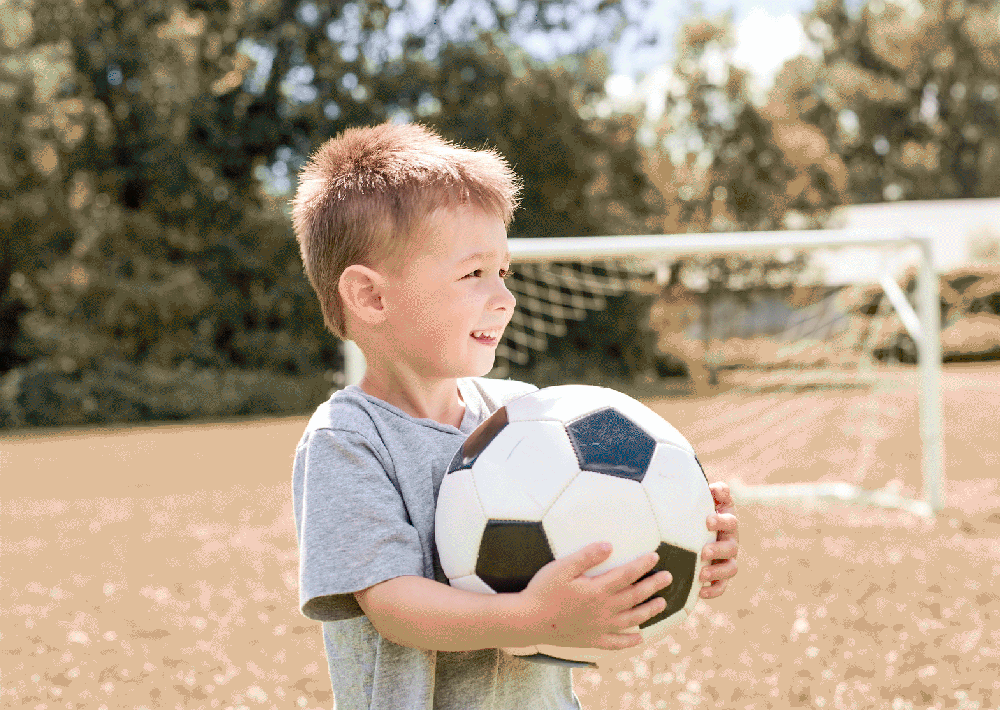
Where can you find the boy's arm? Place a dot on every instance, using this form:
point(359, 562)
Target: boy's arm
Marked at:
point(561, 606)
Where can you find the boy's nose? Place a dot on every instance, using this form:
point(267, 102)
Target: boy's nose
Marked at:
point(504, 298)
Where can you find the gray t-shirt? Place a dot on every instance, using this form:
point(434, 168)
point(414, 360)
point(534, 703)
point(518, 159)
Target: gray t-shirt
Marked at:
point(364, 487)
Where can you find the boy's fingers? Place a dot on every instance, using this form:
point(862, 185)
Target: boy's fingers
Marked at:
point(718, 570)
point(627, 574)
point(713, 590)
point(720, 550)
point(715, 577)
point(587, 558)
point(643, 613)
point(721, 494)
point(725, 524)
point(645, 588)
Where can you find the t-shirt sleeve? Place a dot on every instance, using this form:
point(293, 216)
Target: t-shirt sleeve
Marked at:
point(351, 522)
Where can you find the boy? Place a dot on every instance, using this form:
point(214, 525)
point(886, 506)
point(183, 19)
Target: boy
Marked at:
point(404, 239)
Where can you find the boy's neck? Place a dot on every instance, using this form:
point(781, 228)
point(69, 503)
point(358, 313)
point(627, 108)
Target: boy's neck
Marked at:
point(440, 400)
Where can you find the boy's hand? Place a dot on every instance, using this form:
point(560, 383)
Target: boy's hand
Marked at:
point(572, 609)
point(723, 551)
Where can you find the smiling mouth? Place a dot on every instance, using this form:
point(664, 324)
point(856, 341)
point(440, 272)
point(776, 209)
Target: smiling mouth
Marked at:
point(487, 336)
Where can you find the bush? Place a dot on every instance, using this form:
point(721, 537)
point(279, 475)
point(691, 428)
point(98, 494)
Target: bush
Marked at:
point(42, 394)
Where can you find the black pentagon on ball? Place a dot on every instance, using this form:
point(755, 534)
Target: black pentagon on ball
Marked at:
point(478, 440)
point(681, 564)
point(607, 441)
point(510, 553)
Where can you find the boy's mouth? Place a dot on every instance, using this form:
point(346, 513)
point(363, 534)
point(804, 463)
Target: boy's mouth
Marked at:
point(487, 337)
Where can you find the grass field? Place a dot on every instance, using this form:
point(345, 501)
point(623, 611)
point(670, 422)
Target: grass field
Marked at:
point(156, 566)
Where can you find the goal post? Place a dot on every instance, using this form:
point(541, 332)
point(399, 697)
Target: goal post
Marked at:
point(923, 324)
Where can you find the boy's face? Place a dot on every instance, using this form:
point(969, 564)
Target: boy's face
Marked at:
point(448, 305)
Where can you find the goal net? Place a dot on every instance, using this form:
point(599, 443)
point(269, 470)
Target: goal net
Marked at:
point(812, 359)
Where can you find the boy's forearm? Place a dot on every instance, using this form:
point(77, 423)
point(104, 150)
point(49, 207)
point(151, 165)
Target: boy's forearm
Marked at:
point(422, 613)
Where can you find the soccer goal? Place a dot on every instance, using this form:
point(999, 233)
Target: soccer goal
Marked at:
point(810, 375)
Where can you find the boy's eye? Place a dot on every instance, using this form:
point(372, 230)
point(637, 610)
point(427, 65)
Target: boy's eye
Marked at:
point(504, 273)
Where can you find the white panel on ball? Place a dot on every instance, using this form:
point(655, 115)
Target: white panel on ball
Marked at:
point(472, 583)
point(674, 475)
point(524, 469)
point(560, 403)
point(597, 507)
point(459, 524)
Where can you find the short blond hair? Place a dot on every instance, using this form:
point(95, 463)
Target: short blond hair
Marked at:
point(364, 195)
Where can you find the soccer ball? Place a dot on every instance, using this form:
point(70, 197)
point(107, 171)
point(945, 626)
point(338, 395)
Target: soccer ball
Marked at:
point(558, 469)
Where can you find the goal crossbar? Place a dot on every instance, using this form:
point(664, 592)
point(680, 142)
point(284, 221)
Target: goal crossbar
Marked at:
point(924, 325)
point(545, 249)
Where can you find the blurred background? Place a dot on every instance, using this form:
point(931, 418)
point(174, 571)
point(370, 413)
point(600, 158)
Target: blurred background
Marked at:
point(148, 270)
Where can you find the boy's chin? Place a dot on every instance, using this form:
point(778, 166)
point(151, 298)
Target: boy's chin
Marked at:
point(483, 369)
point(483, 372)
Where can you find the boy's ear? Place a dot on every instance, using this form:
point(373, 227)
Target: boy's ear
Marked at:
point(361, 290)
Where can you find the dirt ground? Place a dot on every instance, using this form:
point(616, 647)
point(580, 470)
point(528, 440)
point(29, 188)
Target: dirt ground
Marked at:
point(156, 566)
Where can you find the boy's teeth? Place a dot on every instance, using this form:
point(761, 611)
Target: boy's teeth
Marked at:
point(484, 334)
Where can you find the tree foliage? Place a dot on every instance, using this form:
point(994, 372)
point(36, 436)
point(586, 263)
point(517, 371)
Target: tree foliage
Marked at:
point(903, 102)
point(148, 269)
point(909, 95)
point(726, 162)
point(147, 264)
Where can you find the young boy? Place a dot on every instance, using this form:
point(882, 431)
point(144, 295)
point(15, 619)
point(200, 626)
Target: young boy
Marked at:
point(404, 238)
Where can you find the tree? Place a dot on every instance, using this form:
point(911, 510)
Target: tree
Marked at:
point(148, 269)
point(909, 95)
point(725, 163)
point(734, 165)
point(138, 248)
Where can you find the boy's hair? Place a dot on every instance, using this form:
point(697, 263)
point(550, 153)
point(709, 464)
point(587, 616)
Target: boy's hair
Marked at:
point(365, 195)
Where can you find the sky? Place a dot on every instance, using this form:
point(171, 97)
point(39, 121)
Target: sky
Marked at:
point(766, 36)
point(767, 33)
